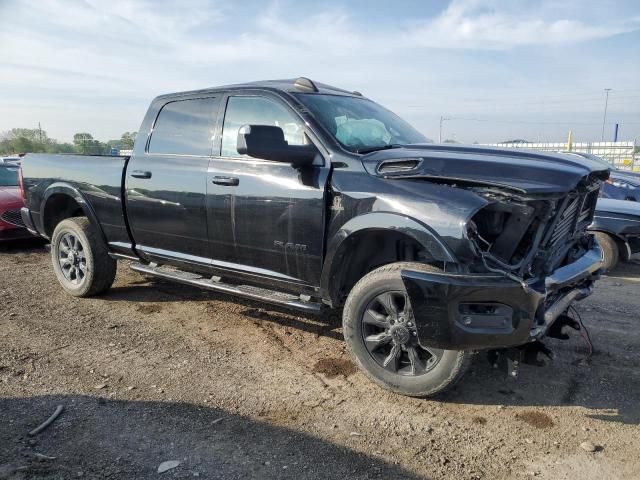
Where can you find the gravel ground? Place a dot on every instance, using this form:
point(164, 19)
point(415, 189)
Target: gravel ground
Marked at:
point(154, 372)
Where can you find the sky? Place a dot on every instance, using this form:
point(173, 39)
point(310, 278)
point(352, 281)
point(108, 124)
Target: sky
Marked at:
point(495, 70)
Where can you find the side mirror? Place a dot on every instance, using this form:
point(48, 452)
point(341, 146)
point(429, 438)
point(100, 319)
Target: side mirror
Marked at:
point(267, 142)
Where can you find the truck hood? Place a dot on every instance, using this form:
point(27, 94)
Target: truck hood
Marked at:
point(525, 171)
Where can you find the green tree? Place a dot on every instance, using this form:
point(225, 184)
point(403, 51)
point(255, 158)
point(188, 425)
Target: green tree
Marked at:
point(85, 144)
point(25, 140)
point(24, 145)
point(127, 140)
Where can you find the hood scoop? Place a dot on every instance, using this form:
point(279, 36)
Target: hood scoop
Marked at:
point(399, 165)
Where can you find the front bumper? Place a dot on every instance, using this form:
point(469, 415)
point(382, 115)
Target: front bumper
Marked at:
point(470, 312)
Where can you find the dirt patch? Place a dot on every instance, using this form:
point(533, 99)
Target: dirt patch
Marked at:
point(149, 309)
point(236, 389)
point(479, 420)
point(333, 367)
point(535, 419)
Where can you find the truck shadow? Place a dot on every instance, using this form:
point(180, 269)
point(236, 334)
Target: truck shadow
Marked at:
point(156, 290)
point(27, 245)
point(103, 438)
point(326, 324)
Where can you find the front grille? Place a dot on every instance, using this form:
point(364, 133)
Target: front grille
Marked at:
point(564, 227)
point(588, 207)
point(574, 218)
point(12, 217)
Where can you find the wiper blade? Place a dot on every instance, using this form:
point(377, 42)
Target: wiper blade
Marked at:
point(379, 147)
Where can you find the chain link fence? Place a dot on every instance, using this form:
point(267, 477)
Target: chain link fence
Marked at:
point(619, 154)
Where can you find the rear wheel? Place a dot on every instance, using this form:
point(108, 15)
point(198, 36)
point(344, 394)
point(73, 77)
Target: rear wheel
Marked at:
point(381, 335)
point(610, 251)
point(80, 258)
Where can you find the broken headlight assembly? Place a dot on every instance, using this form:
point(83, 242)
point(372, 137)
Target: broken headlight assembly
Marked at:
point(506, 235)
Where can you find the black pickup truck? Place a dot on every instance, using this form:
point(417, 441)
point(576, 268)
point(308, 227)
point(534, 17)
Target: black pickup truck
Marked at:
point(307, 196)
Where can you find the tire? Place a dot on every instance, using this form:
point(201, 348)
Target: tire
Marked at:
point(403, 374)
point(88, 269)
point(610, 251)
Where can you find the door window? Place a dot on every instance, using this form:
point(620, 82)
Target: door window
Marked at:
point(184, 127)
point(257, 111)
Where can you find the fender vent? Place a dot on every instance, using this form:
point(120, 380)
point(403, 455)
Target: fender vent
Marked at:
point(393, 166)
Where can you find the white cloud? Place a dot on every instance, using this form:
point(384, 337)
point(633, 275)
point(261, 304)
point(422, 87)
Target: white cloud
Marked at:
point(61, 60)
point(489, 25)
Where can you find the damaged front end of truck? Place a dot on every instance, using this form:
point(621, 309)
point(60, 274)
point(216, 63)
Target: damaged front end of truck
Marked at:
point(530, 258)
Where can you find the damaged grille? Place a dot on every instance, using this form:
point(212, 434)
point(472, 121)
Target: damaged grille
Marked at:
point(532, 237)
point(564, 227)
point(12, 217)
point(574, 219)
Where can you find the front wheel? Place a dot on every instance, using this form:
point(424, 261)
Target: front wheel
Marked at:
point(381, 335)
point(610, 252)
point(80, 258)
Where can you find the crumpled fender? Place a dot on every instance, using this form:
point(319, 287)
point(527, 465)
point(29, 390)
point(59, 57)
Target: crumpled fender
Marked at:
point(339, 245)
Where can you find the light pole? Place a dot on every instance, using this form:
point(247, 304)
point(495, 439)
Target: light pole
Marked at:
point(604, 118)
point(442, 119)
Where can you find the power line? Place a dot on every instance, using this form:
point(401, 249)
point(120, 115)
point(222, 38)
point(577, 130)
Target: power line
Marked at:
point(618, 100)
point(529, 122)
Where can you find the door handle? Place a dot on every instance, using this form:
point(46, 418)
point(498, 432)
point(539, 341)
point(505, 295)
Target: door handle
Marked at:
point(230, 181)
point(140, 174)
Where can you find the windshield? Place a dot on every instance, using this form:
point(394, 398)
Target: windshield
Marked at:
point(8, 176)
point(359, 124)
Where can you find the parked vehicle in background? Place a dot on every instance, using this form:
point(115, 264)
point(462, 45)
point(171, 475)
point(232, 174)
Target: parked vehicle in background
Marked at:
point(305, 196)
point(10, 160)
point(616, 225)
point(11, 225)
point(621, 185)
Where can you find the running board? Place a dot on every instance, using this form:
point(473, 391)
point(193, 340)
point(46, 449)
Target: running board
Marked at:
point(246, 291)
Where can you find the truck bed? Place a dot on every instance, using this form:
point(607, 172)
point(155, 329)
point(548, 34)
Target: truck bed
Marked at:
point(97, 184)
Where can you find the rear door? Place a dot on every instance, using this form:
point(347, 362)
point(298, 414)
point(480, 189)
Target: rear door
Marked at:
point(166, 184)
point(265, 217)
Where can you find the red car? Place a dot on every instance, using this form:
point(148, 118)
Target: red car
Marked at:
point(11, 224)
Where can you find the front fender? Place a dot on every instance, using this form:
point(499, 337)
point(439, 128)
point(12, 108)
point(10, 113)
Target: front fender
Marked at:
point(339, 244)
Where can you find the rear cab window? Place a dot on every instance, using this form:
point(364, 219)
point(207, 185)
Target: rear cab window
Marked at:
point(185, 127)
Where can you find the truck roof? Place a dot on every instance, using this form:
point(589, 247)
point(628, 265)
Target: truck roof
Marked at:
point(292, 85)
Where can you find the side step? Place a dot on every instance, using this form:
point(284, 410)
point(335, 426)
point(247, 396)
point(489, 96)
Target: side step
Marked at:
point(246, 291)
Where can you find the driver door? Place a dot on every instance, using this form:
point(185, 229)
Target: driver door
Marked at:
point(265, 217)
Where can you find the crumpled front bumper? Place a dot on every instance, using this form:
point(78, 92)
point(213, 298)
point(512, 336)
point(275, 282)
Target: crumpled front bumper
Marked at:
point(478, 311)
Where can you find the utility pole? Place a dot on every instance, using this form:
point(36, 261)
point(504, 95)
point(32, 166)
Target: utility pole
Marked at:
point(604, 118)
point(442, 119)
